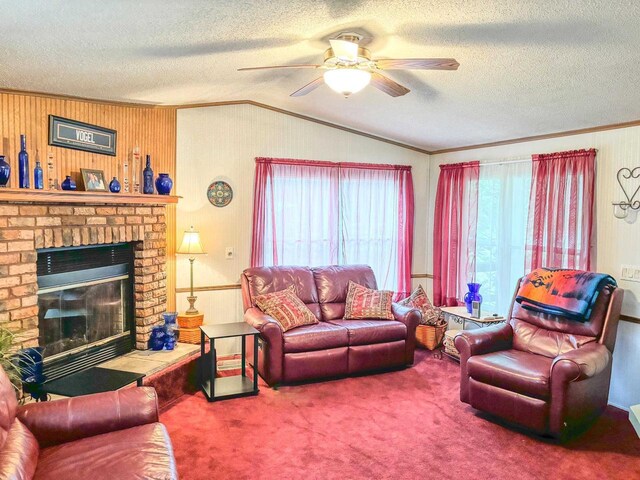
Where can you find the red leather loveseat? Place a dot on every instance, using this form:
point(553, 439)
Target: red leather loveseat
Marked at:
point(113, 435)
point(335, 346)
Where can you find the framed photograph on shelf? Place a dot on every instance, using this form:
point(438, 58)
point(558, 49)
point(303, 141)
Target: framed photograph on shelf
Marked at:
point(93, 180)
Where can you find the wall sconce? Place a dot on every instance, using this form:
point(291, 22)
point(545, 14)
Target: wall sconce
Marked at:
point(631, 206)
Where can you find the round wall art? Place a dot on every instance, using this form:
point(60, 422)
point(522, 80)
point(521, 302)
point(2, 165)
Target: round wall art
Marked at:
point(220, 193)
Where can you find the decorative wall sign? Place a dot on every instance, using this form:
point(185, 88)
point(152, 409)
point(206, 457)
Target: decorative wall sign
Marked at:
point(220, 193)
point(81, 136)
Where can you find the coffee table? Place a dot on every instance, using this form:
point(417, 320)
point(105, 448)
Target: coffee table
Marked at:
point(219, 388)
point(92, 380)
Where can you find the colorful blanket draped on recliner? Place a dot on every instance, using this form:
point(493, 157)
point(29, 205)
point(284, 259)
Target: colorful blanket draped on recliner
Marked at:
point(568, 293)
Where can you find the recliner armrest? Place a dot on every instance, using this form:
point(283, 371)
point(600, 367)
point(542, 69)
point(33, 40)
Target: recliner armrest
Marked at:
point(66, 420)
point(484, 340)
point(581, 363)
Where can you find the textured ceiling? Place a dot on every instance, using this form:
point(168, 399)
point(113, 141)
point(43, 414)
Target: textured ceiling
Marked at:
point(527, 67)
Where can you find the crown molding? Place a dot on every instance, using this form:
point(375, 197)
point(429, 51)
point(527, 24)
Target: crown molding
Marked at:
point(533, 138)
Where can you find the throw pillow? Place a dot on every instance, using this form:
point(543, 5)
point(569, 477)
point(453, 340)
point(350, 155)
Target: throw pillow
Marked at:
point(419, 299)
point(286, 308)
point(362, 302)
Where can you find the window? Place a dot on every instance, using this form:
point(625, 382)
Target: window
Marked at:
point(324, 213)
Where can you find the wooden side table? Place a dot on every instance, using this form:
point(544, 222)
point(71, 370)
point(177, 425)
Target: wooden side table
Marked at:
point(219, 388)
point(460, 316)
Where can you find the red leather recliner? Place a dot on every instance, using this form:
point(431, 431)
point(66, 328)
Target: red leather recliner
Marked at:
point(113, 435)
point(544, 372)
point(335, 346)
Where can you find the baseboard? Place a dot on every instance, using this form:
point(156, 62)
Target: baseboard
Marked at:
point(626, 409)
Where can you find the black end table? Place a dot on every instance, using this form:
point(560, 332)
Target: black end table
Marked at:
point(219, 388)
point(92, 380)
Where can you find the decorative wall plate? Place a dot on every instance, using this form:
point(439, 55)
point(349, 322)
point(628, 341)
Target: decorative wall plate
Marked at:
point(220, 193)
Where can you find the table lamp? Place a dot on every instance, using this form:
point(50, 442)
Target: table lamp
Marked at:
point(191, 246)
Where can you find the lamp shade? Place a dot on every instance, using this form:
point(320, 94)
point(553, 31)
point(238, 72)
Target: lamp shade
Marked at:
point(347, 80)
point(191, 243)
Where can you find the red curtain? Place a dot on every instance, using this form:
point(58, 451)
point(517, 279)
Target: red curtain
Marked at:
point(454, 231)
point(560, 221)
point(322, 213)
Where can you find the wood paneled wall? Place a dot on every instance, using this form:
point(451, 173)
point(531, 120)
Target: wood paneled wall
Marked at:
point(151, 128)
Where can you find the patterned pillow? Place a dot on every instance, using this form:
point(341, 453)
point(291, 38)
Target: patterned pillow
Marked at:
point(362, 302)
point(286, 308)
point(419, 299)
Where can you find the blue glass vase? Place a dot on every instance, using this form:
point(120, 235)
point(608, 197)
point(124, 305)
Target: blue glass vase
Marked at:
point(68, 184)
point(23, 163)
point(164, 184)
point(114, 186)
point(170, 330)
point(472, 295)
point(156, 341)
point(147, 178)
point(38, 177)
point(5, 172)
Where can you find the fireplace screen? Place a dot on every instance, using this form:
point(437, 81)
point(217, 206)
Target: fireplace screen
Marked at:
point(85, 298)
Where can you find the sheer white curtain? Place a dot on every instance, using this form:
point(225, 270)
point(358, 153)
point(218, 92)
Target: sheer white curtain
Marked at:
point(503, 204)
point(369, 222)
point(301, 223)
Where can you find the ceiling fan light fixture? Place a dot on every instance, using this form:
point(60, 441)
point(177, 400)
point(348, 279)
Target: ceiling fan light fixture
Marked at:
point(347, 81)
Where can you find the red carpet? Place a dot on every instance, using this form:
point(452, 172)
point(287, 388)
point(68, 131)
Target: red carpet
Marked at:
point(399, 425)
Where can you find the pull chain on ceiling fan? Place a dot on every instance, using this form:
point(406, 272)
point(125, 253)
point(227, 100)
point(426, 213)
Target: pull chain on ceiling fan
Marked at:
point(349, 68)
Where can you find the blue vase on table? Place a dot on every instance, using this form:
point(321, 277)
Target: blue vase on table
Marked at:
point(5, 172)
point(472, 295)
point(164, 184)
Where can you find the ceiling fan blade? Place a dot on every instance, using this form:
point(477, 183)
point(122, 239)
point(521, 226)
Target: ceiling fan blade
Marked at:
point(387, 85)
point(417, 64)
point(280, 66)
point(344, 50)
point(309, 87)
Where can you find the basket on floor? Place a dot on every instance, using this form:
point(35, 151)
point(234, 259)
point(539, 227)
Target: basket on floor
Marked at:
point(430, 336)
point(449, 346)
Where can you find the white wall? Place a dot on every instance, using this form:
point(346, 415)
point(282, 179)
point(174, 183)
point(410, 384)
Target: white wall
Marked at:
point(616, 240)
point(221, 143)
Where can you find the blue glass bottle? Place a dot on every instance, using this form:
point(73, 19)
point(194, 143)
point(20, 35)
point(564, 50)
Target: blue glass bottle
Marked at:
point(23, 163)
point(147, 177)
point(38, 176)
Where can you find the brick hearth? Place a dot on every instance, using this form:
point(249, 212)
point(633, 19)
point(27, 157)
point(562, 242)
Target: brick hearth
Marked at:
point(25, 228)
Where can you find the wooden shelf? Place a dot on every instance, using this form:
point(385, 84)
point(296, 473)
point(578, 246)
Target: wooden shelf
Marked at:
point(71, 196)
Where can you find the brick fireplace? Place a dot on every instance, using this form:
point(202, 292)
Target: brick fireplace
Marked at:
point(28, 227)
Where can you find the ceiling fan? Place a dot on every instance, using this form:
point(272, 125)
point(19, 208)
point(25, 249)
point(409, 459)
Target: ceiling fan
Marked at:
point(349, 68)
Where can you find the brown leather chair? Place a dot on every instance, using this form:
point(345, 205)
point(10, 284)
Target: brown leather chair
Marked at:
point(543, 372)
point(333, 347)
point(113, 435)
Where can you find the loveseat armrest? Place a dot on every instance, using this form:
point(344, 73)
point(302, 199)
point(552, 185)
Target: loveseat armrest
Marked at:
point(580, 363)
point(270, 365)
point(265, 324)
point(70, 419)
point(411, 317)
point(484, 340)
